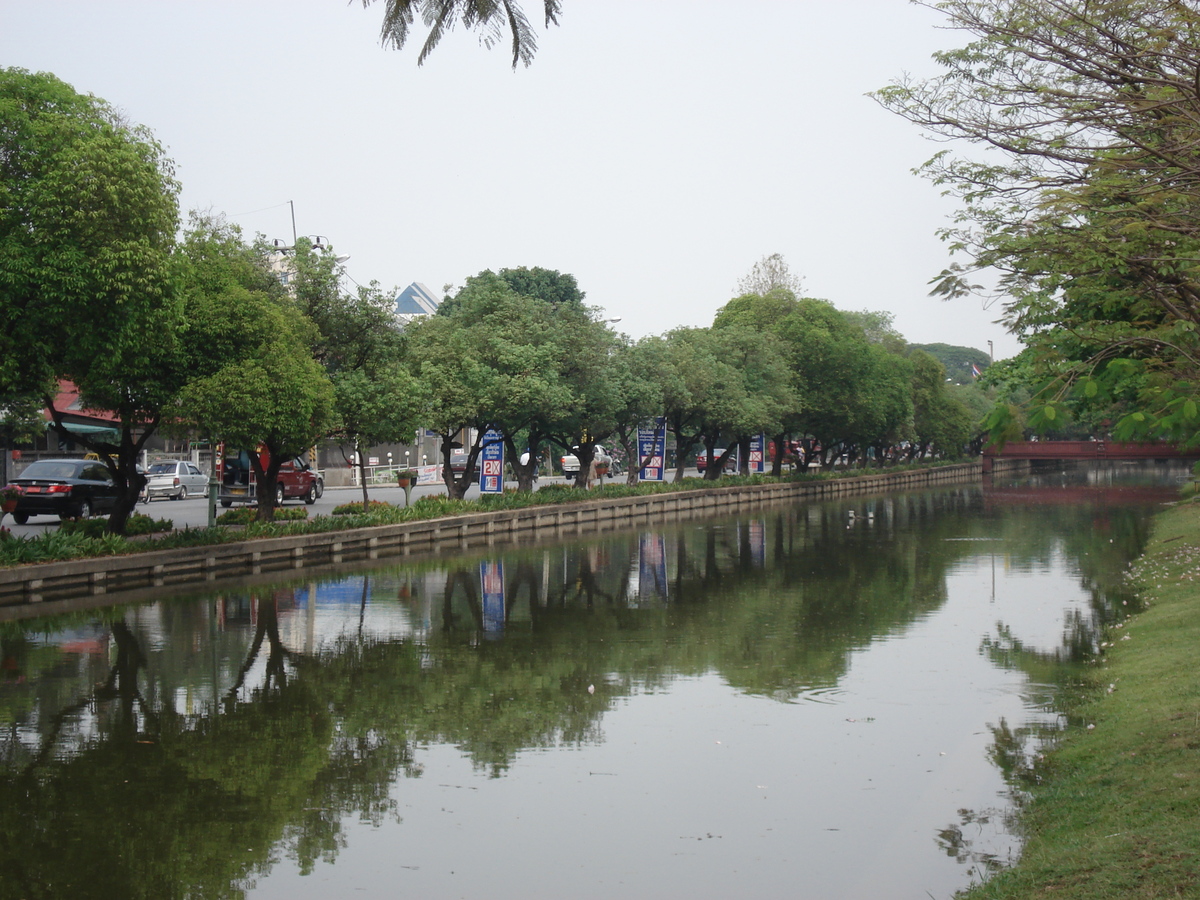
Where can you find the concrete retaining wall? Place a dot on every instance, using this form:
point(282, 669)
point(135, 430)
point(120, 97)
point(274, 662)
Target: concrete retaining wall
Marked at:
point(145, 574)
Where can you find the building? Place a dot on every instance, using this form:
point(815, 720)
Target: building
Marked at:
point(414, 301)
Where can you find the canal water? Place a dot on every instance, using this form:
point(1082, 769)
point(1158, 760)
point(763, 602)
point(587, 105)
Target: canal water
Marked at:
point(835, 700)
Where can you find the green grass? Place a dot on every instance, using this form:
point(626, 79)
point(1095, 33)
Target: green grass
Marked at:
point(1116, 812)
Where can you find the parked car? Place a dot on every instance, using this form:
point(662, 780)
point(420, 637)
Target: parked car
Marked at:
point(458, 461)
point(570, 462)
point(67, 488)
point(175, 479)
point(730, 464)
point(297, 480)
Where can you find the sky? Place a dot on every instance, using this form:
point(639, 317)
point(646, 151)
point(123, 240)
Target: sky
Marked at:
point(656, 149)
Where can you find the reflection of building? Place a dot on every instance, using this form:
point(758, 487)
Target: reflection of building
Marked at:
point(414, 301)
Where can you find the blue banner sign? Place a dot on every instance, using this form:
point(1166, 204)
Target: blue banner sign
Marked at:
point(491, 465)
point(652, 449)
point(758, 454)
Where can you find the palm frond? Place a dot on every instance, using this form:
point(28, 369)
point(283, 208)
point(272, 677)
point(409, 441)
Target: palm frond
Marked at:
point(493, 19)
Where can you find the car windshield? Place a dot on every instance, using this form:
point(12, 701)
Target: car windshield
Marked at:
point(49, 469)
point(162, 469)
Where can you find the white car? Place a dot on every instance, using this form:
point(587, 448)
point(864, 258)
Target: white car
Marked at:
point(175, 479)
point(570, 462)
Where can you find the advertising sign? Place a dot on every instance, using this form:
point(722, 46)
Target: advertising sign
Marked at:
point(652, 443)
point(429, 475)
point(491, 465)
point(758, 454)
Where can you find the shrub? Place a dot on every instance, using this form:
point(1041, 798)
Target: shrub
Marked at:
point(353, 509)
point(246, 514)
point(135, 525)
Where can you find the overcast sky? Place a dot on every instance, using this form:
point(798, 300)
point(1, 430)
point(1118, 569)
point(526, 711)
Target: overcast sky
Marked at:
point(655, 149)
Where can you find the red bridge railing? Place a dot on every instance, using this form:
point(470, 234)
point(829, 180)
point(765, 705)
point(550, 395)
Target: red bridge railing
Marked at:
point(1088, 450)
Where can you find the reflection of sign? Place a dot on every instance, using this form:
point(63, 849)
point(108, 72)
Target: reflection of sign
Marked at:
point(652, 444)
point(491, 579)
point(491, 469)
point(758, 543)
point(758, 462)
point(652, 566)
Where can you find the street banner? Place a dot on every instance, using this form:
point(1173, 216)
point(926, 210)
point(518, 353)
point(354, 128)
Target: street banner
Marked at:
point(491, 579)
point(758, 455)
point(491, 463)
point(429, 474)
point(652, 443)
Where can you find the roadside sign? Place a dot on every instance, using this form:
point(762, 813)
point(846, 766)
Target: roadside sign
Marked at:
point(491, 466)
point(652, 448)
point(758, 456)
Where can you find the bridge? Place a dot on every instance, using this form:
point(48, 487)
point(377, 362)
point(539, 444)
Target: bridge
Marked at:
point(1091, 451)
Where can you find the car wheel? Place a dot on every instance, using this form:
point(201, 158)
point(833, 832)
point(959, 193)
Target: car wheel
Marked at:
point(20, 518)
point(311, 497)
point(279, 495)
point(144, 496)
point(320, 486)
point(182, 495)
point(226, 503)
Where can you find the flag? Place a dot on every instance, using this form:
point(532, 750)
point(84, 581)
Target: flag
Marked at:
point(975, 370)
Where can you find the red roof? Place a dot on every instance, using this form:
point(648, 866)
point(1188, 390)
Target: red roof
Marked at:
point(67, 402)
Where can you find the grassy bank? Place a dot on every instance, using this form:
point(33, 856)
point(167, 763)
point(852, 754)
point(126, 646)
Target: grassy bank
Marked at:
point(1116, 812)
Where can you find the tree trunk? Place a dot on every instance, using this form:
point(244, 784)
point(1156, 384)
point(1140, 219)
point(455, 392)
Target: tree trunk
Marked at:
point(713, 466)
point(585, 453)
point(266, 480)
point(781, 449)
point(526, 473)
point(362, 475)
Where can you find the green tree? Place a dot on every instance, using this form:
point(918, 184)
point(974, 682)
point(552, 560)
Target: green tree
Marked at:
point(492, 18)
point(960, 362)
point(1085, 201)
point(361, 346)
point(279, 400)
point(849, 391)
point(941, 422)
point(493, 360)
point(638, 384)
point(88, 216)
point(769, 274)
point(722, 384)
point(254, 382)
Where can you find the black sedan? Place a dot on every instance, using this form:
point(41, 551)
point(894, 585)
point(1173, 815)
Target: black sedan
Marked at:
point(67, 488)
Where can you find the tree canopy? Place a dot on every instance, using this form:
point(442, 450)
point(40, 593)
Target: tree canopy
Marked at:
point(88, 215)
point(1084, 197)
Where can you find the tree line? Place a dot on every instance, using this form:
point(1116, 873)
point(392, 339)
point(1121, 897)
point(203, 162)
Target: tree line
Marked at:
point(192, 331)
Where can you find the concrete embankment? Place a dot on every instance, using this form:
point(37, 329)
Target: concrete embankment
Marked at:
point(49, 587)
